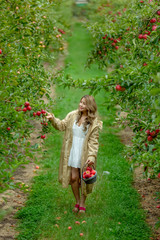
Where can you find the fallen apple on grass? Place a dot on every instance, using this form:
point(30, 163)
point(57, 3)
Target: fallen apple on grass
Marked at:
point(83, 221)
point(77, 222)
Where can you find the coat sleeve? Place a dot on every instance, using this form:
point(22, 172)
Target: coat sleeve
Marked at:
point(93, 145)
point(60, 124)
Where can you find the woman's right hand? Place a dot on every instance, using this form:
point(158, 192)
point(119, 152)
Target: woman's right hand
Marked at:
point(49, 116)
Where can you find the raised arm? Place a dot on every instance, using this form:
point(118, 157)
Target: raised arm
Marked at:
point(56, 122)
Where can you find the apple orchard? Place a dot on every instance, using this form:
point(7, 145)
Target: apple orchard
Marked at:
point(126, 41)
point(126, 38)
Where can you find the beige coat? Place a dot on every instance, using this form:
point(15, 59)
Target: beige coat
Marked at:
point(90, 147)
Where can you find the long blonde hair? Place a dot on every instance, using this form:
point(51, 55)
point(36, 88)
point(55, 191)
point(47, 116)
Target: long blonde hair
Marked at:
point(91, 111)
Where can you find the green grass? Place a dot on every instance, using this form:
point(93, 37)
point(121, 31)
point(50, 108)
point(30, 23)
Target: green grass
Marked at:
point(113, 209)
point(79, 45)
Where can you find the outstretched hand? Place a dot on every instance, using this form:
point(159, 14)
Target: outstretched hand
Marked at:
point(49, 116)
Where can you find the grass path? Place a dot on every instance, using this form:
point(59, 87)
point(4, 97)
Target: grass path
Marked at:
point(113, 209)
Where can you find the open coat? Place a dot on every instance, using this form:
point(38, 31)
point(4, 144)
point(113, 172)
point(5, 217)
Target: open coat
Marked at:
point(89, 151)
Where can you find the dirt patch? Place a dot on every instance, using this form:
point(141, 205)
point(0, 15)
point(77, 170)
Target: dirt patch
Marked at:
point(147, 189)
point(13, 200)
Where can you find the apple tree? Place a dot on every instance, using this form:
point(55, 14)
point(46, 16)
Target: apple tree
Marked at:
point(32, 32)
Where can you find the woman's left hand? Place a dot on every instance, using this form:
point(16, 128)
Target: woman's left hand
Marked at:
point(89, 162)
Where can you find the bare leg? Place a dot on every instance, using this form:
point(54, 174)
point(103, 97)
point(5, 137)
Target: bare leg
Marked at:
point(75, 185)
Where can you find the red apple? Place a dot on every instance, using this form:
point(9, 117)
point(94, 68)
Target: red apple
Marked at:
point(61, 31)
point(89, 169)
point(26, 104)
point(158, 12)
point(154, 27)
point(69, 228)
point(93, 172)
point(8, 128)
point(43, 111)
point(0, 51)
point(77, 222)
point(87, 175)
point(146, 144)
point(157, 131)
point(153, 133)
point(148, 132)
point(158, 175)
point(116, 47)
point(150, 138)
point(37, 167)
point(81, 234)
point(145, 36)
point(34, 114)
point(38, 113)
point(153, 20)
point(154, 149)
point(43, 136)
point(25, 109)
point(29, 108)
point(118, 88)
point(140, 36)
point(158, 206)
point(145, 64)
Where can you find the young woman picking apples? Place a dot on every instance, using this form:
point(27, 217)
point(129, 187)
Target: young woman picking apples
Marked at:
point(80, 147)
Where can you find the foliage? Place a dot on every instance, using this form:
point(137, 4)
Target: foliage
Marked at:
point(126, 41)
point(31, 32)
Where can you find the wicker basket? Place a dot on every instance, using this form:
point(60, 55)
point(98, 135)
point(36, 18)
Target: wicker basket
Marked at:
point(91, 179)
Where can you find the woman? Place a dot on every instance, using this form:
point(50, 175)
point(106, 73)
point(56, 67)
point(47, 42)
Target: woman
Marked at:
point(80, 146)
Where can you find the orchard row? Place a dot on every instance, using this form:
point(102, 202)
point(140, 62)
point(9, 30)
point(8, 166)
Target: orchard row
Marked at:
point(126, 39)
point(32, 33)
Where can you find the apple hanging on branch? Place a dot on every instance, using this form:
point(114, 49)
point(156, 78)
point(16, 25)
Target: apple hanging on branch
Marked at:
point(120, 88)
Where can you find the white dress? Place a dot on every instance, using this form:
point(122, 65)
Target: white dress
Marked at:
point(77, 144)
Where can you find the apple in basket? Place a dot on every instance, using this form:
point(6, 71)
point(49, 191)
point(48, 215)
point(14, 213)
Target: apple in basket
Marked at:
point(89, 173)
